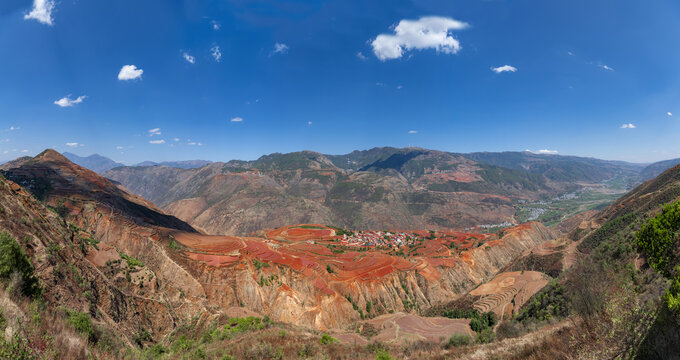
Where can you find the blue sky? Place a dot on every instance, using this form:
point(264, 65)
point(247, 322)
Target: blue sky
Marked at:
point(291, 72)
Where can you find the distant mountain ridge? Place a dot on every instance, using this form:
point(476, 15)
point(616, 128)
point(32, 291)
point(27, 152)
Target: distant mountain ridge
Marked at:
point(657, 168)
point(100, 164)
point(379, 188)
point(94, 162)
point(184, 164)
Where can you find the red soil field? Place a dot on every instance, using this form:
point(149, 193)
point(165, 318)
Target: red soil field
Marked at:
point(316, 251)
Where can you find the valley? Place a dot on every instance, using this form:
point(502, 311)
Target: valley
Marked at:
point(144, 275)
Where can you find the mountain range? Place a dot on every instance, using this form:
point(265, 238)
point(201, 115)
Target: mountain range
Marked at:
point(408, 188)
point(105, 273)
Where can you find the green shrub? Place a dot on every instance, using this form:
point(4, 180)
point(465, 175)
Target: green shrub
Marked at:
point(548, 303)
point(327, 339)
point(14, 259)
point(182, 345)
point(3, 321)
point(478, 322)
point(659, 239)
point(458, 340)
point(132, 262)
point(157, 350)
point(383, 355)
point(486, 336)
point(81, 322)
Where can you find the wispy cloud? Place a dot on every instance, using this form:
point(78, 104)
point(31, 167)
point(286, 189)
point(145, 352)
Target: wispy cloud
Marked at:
point(280, 48)
point(216, 53)
point(309, 123)
point(504, 68)
point(130, 72)
point(67, 101)
point(190, 59)
point(606, 67)
point(669, 113)
point(156, 142)
point(413, 131)
point(42, 12)
point(361, 56)
point(237, 119)
point(73, 144)
point(627, 126)
point(570, 53)
point(215, 25)
point(430, 32)
point(175, 139)
point(156, 131)
point(119, 148)
point(194, 143)
point(399, 87)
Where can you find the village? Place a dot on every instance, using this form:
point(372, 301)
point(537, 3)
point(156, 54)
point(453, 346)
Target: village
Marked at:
point(379, 239)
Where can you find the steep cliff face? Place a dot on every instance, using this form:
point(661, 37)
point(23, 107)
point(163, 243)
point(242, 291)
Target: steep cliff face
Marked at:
point(81, 248)
point(68, 262)
point(308, 285)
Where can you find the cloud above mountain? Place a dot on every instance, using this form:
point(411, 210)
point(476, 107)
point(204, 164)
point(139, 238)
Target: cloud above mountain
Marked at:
point(504, 68)
point(42, 12)
point(429, 32)
point(130, 72)
point(66, 101)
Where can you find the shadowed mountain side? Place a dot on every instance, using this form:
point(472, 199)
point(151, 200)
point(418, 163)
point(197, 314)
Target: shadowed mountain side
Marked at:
point(50, 175)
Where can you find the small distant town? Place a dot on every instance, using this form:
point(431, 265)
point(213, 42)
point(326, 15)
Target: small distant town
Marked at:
point(379, 239)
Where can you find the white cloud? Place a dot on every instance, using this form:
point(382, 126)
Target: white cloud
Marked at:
point(669, 113)
point(119, 148)
point(399, 87)
point(504, 68)
point(430, 32)
point(237, 119)
point(156, 131)
point(309, 123)
point(546, 152)
point(14, 128)
point(72, 144)
point(280, 48)
point(216, 53)
point(413, 131)
point(570, 53)
point(175, 139)
point(41, 11)
point(155, 142)
point(215, 25)
point(67, 101)
point(361, 56)
point(606, 67)
point(627, 126)
point(130, 72)
point(24, 151)
point(189, 58)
